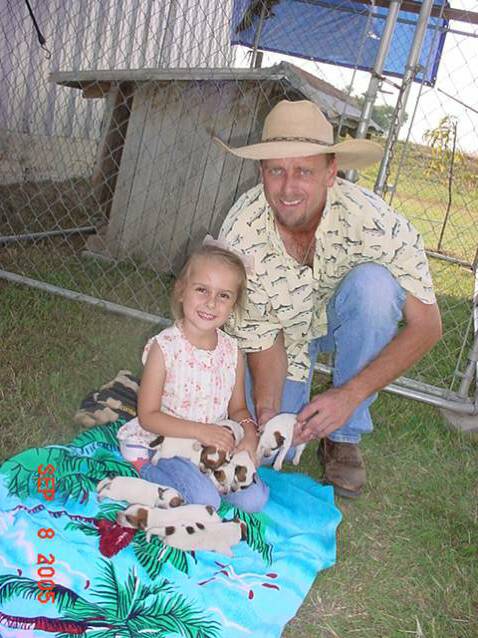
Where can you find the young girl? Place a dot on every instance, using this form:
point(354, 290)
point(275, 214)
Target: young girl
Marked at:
point(194, 377)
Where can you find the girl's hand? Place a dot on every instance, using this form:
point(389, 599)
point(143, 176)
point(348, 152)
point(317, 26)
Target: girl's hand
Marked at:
point(216, 435)
point(249, 443)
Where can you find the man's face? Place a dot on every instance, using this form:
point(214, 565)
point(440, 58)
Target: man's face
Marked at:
point(296, 189)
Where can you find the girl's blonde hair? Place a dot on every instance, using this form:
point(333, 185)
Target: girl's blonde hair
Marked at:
point(225, 256)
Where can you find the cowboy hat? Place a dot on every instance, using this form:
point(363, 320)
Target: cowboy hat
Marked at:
point(300, 129)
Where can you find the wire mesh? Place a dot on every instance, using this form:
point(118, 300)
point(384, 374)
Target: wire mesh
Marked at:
point(108, 175)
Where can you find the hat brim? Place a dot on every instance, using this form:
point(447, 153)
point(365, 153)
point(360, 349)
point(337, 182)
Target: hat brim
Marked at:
point(349, 154)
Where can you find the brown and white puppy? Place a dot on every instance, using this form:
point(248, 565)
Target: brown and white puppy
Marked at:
point(137, 490)
point(140, 517)
point(167, 447)
point(276, 439)
point(205, 457)
point(239, 473)
point(214, 537)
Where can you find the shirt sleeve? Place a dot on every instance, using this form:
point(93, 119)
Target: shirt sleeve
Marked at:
point(258, 327)
point(407, 260)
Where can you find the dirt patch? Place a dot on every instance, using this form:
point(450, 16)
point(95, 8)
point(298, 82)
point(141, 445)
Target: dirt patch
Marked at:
point(40, 206)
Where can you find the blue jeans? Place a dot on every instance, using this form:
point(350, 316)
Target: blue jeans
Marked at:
point(363, 317)
point(196, 487)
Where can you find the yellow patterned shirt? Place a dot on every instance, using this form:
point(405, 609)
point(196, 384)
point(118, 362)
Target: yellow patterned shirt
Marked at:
point(356, 227)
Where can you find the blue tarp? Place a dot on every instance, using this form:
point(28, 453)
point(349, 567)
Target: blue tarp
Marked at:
point(340, 32)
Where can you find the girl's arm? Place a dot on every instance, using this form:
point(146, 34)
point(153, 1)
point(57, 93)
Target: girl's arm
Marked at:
point(152, 419)
point(238, 411)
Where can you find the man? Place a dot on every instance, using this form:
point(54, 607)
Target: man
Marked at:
point(335, 269)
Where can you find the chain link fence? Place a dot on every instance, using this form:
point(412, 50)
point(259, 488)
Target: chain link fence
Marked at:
point(108, 174)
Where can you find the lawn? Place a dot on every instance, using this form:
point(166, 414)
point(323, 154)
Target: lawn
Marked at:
point(407, 551)
point(407, 561)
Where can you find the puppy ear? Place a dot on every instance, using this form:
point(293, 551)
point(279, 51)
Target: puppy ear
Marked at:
point(142, 518)
point(132, 520)
point(279, 439)
point(240, 473)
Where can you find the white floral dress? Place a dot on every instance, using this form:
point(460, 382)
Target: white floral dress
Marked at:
point(198, 385)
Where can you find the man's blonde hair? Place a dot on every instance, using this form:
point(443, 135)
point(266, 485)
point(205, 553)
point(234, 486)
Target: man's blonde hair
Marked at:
point(226, 257)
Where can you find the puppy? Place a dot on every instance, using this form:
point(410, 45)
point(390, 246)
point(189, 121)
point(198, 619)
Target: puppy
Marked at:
point(239, 473)
point(136, 490)
point(214, 537)
point(205, 457)
point(167, 447)
point(276, 438)
point(139, 517)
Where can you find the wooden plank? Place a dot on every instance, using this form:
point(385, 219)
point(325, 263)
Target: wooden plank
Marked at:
point(161, 193)
point(136, 238)
point(127, 170)
point(238, 101)
point(76, 79)
point(237, 175)
point(179, 197)
point(203, 179)
point(111, 144)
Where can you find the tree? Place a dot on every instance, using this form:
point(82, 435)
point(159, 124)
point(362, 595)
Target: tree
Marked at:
point(381, 113)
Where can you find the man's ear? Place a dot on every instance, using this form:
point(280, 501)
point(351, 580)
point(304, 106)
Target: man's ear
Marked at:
point(259, 164)
point(331, 172)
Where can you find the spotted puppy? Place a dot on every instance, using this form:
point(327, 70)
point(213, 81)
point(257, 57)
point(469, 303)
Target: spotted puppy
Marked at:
point(167, 447)
point(276, 440)
point(136, 490)
point(215, 536)
point(235, 475)
point(205, 457)
point(140, 517)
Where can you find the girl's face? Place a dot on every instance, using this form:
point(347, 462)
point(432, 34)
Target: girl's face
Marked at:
point(209, 294)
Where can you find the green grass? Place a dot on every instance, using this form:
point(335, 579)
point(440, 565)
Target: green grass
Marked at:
point(407, 550)
point(407, 560)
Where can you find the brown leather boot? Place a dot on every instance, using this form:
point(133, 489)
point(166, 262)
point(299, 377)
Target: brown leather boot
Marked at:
point(344, 467)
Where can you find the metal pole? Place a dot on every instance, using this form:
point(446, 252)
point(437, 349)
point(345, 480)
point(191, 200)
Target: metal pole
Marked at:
point(78, 296)
point(65, 232)
point(375, 77)
point(256, 57)
point(408, 77)
point(420, 392)
point(423, 394)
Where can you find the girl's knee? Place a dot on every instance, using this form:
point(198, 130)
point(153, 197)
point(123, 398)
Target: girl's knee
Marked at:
point(251, 500)
point(194, 486)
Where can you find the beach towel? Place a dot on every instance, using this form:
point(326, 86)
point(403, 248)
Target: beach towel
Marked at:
point(68, 569)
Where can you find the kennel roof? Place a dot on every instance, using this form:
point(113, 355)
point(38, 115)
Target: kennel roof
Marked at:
point(335, 103)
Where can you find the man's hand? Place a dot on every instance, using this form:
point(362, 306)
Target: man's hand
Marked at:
point(326, 413)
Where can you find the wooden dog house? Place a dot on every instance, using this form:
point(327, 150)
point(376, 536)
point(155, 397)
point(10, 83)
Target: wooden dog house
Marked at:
point(161, 181)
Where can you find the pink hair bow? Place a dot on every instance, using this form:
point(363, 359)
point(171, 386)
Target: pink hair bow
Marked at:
point(247, 260)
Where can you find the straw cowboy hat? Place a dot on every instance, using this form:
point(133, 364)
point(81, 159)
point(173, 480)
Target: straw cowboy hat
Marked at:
point(300, 129)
